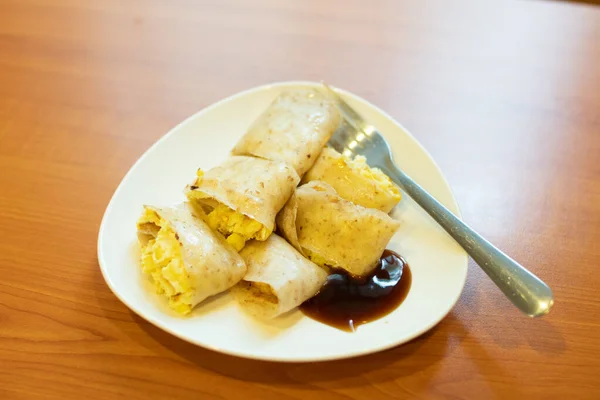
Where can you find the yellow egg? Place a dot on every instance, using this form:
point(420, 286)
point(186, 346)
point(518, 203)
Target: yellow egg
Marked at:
point(236, 227)
point(237, 241)
point(354, 180)
point(375, 174)
point(162, 260)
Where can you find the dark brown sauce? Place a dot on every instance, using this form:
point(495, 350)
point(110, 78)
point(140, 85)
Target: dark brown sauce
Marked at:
point(346, 301)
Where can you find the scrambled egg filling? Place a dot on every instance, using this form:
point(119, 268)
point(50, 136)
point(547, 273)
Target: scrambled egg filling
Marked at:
point(236, 227)
point(359, 163)
point(163, 261)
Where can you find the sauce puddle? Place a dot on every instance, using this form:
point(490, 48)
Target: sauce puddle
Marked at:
point(346, 301)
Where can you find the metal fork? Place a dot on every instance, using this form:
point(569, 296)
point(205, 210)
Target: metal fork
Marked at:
point(525, 290)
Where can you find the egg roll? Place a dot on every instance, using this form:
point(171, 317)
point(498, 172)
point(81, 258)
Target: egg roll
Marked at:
point(354, 180)
point(242, 196)
point(294, 128)
point(185, 259)
point(278, 278)
point(334, 232)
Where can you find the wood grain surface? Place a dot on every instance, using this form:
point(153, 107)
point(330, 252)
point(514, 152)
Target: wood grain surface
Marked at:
point(505, 95)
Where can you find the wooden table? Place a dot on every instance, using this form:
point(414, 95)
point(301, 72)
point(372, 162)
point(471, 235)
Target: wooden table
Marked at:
point(505, 95)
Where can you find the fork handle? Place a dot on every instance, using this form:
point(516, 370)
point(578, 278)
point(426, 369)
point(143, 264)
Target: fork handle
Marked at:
point(525, 290)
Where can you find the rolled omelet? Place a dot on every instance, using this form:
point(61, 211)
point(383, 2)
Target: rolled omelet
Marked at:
point(186, 260)
point(242, 196)
point(334, 232)
point(354, 180)
point(294, 129)
point(279, 278)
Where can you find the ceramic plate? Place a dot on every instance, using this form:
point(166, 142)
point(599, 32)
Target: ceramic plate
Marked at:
point(438, 265)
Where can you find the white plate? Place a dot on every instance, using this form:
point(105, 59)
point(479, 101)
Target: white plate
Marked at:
point(438, 265)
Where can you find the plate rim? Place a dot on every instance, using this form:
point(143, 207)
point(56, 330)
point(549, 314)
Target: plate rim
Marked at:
point(346, 355)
